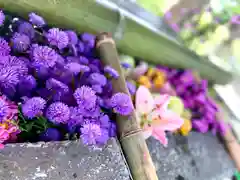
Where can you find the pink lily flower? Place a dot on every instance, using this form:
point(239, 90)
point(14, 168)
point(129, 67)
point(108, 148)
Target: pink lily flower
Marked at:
point(155, 117)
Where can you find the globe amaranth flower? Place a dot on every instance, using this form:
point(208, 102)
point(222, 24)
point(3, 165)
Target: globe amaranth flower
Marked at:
point(97, 78)
point(81, 47)
point(44, 56)
point(20, 42)
point(57, 38)
point(85, 97)
point(76, 68)
point(58, 112)
point(131, 87)
point(33, 107)
point(112, 72)
point(2, 17)
point(88, 39)
point(53, 84)
point(36, 19)
point(92, 134)
point(72, 36)
point(113, 130)
point(83, 60)
point(9, 78)
point(27, 84)
point(104, 121)
point(122, 104)
point(4, 47)
point(97, 88)
point(51, 134)
point(76, 119)
point(27, 29)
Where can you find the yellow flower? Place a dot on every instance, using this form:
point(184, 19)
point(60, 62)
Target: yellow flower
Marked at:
point(145, 81)
point(151, 72)
point(159, 81)
point(186, 127)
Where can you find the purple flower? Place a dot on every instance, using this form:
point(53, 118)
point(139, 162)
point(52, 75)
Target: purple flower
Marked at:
point(15, 63)
point(51, 134)
point(85, 97)
point(76, 68)
point(86, 37)
point(58, 86)
point(122, 104)
point(57, 38)
point(36, 19)
point(72, 36)
point(27, 84)
point(126, 65)
point(58, 113)
point(2, 17)
point(91, 133)
point(4, 47)
point(200, 125)
point(81, 47)
point(44, 56)
point(9, 77)
point(97, 78)
point(112, 72)
point(27, 29)
point(21, 42)
point(97, 88)
point(33, 107)
point(131, 87)
point(83, 60)
point(104, 121)
point(113, 130)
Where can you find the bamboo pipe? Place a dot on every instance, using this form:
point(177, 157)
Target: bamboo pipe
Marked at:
point(129, 131)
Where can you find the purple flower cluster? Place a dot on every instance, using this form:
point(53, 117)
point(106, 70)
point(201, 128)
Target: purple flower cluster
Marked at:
point(55, 74)
point(194, 93)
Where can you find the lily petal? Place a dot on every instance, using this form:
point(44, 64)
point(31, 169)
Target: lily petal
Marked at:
point(144, 101)
point(160, 136)
point(169, 121)
point(162, 101)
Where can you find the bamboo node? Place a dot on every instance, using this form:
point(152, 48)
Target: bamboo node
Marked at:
point(130, 133)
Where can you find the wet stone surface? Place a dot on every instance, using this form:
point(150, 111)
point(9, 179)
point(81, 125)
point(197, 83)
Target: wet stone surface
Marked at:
point(62, 161)
point(197, 157)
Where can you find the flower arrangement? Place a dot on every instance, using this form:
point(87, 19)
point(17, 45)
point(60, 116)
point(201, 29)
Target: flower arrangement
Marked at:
point(53, 85)
point(188, 97)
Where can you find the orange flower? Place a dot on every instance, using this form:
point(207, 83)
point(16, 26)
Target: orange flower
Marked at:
point(145, 81)
point(159, 81)
point(151, 72)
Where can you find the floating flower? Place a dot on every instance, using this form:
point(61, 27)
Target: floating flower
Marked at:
point(58, 113)
point(36, 19)
point(2, 17)
point(27, 29)
point(33, 107)
point(57, 38)
point(122, 104)
point(21, 42)
point(155, 117)
point(4, 47)
point(85, 97)
point(112, 72)
point(72, 36)
point(51, 134)
point(44, 56)
point(97, 78)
